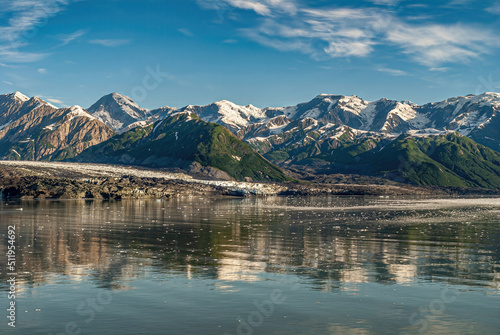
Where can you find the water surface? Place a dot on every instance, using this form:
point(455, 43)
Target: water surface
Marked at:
point(331, 265)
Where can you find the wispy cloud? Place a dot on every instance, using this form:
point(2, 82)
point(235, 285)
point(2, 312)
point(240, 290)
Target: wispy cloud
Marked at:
point(386, 2)
point(68, 38)
point(335, 32)
point(432, 45)
point(110, 43)
point(439, 69)
point(42, 71)
point(186, 32)
point(494, 9)
point(393, 72)
point(13, 56)
point(7, 82)
point(55, 101)
point(459, 2)
point(26, 16)
point(341, 32)
point(417, 5)
point(261, 7)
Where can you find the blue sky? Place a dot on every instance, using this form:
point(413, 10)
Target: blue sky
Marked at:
point(263, 52)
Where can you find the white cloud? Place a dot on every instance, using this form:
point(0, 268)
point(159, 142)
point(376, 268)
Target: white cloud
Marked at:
point(66, 39)
point(386, 2)
point(432, 45)
point(110, 42)
point(25, 18)
point(335, 32)
point(494, 9)
point(393, 72)
point(439, 69)
point(13, 56)
point(276, 43)
point(342, 32)
point(459, 2)
point(42, 71)
point(417, 5)
point(55, 101)
point(258, 7)
point(186, 32)
point(261, 7)
point(7, 82)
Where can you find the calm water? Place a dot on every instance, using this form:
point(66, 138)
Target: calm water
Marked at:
point(254, 266)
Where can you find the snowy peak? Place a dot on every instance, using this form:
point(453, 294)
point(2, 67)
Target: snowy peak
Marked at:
point(249, 112)
point(118, 111)
point(471, 115)
point(76, 111)
point(463, 114)
point(123, 100)
point(229, 114)
point(318, 108)
point(37, 102)
point(128, 105)
point(485, 99)
point(19, 97)
point(16, 98)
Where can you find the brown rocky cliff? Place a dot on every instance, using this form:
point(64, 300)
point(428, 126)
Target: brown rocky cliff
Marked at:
point(44, 132)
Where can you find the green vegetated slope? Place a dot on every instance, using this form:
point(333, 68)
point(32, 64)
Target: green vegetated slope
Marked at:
point(445, 160)
point(448, 160)
point(187, 138)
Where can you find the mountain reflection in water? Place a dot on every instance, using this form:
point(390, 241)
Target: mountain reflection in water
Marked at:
point(329, 245)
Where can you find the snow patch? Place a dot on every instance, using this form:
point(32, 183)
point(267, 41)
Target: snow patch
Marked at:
point(353, 104)
point(77, 111)
point(430, 132)
point(51, 126)
point(275, 130)
point(156, 127)
point(368, 115)
point(410, 115)
point(312, 113)
point(5, 125)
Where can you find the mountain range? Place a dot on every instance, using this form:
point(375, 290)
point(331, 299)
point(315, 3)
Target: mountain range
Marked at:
point(32, 129)
point(399, 140)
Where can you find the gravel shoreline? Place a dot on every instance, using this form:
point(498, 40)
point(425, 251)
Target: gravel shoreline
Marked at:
point(60, 180)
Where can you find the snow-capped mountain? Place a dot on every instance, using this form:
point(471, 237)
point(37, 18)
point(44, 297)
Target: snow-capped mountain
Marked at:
point(118, 111)
point(329, 134)
point(183, 140)
point(473, 116)
point(14, 105)
point(228, 114)
point(33, 129)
